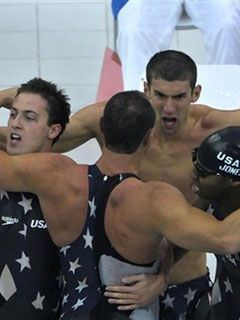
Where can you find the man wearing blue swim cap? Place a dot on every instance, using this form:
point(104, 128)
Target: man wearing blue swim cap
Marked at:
point(216, 177)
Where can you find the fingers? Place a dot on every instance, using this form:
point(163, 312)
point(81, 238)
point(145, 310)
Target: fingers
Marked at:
point(117, 296)
point(124, 304)
point(133, 278)
point(124, 289)
point(128, 307)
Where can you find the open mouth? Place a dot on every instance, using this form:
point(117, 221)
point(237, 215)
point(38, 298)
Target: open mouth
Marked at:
point(169, 121)
point(15, 137)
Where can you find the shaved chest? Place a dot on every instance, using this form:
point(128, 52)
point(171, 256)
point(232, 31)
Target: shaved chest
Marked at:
point(170, 163)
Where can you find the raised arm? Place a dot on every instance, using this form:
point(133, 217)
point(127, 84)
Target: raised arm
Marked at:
point(57, 181)
point(83, 126)
point(7, 96)
point(6, 100)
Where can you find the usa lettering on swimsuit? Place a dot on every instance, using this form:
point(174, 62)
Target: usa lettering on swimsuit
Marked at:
point(41, 224)
point(231, 165)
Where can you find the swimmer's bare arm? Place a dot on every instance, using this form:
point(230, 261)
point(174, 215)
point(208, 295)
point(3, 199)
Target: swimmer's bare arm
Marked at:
point(54, 178)
point(190, 227)
point(6, 100)
point(3, 138)
point(83, 126)
point(139, 290)
point(217, 119)
point(7, 96)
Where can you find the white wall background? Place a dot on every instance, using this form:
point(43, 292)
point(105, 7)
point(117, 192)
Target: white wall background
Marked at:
point(64, 41)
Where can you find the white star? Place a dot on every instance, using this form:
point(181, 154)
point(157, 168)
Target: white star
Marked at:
point(24, 231)
point(168, 302)
point(228, 286)
point(190, 295)
point(38, 303)
point(232, 258)
point(88, 239)
point(79, 303)
point(7, 284)
point(25, 203)
point(92, 207)
point(3, 193)
point(64, 249)
point(24, 262)
point(74, 265)
point(81, 285)
point(65, 298)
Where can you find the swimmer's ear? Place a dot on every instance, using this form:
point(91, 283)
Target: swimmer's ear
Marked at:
point(196, 93)
point(54, 130)
point(146, 88)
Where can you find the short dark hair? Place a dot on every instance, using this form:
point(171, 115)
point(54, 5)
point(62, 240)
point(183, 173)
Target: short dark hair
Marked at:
point(58, 107)
point(127, 118)
point(171, 65)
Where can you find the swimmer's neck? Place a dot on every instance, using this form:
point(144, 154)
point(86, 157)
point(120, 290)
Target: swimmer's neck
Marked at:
point(111, 163)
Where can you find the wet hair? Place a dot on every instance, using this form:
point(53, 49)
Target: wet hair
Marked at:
point(219, 153)
point(127, 118)
point(171, 65)
point(58, 107)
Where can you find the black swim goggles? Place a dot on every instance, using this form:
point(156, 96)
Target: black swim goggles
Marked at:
point(201, 170)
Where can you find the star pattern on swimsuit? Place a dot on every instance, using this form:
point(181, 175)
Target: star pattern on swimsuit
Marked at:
point(21, 276)
point(226, 289)
point(38, 303)
point(26, 204)
point(81, 289)
point(3, 194)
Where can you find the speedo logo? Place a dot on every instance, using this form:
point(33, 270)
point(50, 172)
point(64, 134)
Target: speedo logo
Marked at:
point(41, 224)
point(8, 220)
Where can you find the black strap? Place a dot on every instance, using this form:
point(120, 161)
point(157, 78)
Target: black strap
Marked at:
point(104, 310)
